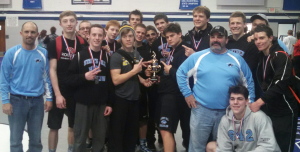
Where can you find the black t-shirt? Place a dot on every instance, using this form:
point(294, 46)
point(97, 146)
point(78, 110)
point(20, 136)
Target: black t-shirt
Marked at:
point(112, 46)
point(63, 62)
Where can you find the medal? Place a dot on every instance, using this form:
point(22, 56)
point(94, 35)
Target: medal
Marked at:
point(94, 65)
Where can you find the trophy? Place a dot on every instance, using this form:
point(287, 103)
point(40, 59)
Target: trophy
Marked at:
point(154, 67)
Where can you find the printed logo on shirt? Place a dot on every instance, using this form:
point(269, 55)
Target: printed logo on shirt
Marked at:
point(89, 61)
point(238, 51)
point(239, 135)
point(125, 62)
point(38, 60)
point(230, 64)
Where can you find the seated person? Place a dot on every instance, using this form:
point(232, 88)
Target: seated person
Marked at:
point(242, 130)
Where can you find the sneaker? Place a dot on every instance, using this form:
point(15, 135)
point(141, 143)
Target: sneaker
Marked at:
point(144, 148)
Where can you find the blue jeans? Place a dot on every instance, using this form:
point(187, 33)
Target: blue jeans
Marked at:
point(203, 123)
point(30, 111)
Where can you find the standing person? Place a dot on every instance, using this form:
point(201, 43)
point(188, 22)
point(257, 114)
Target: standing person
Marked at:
point(241, 129)
point(296, 55)
point(84, 28)
point(289, 41)
point(90, 73)
point(51, 37)
point(125, 65)
point(261, 19)
point(198, 37)
point(41, 38)
point(214, 70)
point(112, 30)
point(160, 45)
point(273, 72)
point(151, 34)
point(61, 52)
point(24, 80)
point(173, 107)
point(135, 17)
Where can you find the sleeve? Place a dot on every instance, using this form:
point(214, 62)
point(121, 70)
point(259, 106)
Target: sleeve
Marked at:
point(74, 77)
point(47, 82)
point(266, 140)
point(115, 61)
point(5, 73)
point(183, 73)
point(224, 143)
point(173, 70)
point(296, 47)
point(283, 46)
point(285, 40)
point(51, 47)
point(282, 72)
point(247, 79)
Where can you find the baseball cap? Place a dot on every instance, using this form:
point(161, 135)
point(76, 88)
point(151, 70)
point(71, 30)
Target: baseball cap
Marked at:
point(259, 16)
point(220, 29)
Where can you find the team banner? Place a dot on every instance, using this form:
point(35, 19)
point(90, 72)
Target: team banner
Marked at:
point(189, 4)
point(32, 4)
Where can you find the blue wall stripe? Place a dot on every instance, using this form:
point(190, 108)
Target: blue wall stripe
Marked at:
point(144, 13)
point(147, 19)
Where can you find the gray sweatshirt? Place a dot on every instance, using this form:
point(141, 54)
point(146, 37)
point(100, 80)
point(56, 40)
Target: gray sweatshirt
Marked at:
point(254, 134)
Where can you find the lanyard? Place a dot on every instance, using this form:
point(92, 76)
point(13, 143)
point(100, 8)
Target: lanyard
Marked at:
point(170, 57)
point(114, 45)
point(265, 67)
point(237, 134)
point(92, 58)
point(162, 45)
point(195, 44)
point(71, 52)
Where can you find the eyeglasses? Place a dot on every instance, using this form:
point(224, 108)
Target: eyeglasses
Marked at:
point(152, 34)
point(84, 28)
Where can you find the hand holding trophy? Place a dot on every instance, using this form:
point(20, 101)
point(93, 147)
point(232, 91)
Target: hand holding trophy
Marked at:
point(154, 68)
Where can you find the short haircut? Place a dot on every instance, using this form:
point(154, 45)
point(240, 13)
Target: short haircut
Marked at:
point(84, 21)
point(67, 13)
point(264, 28)
point(238, 14)
point(298, 35)
point(239, 89)
point(173, 27)
point(140, 25)
point(202, 9)
point(136, 12)
point(150, 27)
point(97, 26)
point(161, 16)
point(52, 30)
point(290, 32)
point(112, 23)
point(37, 29)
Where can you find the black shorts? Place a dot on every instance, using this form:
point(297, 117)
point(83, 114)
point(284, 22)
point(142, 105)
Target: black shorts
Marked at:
point(172, 108)
point(55, 115)
point(144, 107)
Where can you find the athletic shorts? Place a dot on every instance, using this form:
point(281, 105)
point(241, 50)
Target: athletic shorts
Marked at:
point(55, 115)
point(169, 112)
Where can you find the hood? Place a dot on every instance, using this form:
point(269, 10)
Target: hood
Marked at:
point(229, 113)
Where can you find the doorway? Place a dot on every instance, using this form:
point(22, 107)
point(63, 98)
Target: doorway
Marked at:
point(2, 36)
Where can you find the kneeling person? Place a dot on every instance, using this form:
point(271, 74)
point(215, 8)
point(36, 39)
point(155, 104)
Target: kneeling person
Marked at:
point(90, 73)
point(243, 130)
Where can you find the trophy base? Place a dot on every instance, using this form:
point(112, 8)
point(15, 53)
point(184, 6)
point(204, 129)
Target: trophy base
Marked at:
point(153, 79)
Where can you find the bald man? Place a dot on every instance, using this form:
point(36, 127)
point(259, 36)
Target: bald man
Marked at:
point(24, 80)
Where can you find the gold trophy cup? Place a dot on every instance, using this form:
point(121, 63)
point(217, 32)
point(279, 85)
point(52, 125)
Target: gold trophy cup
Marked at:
point(154, 67)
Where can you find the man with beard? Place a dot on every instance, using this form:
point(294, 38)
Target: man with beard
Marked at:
point(214, 70)
point(24, 80)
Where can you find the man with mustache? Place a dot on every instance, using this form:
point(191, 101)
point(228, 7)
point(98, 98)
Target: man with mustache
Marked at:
point(24, 80)
point(214, 70)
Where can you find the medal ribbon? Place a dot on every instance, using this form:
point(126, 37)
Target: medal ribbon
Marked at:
point(170, 56)
point(265, 67)
point(162, 45)
point(71, 54)
point(92, 58)
point(195, 44)
point(240, 128)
